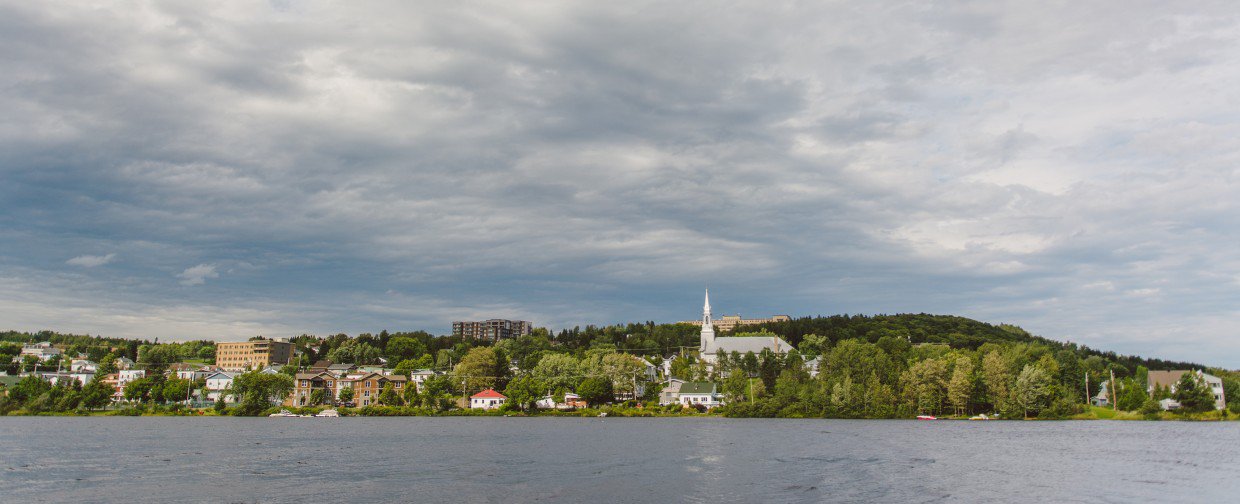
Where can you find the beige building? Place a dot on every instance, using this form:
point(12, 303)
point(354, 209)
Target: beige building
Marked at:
point(257, 354)
point(727, 323)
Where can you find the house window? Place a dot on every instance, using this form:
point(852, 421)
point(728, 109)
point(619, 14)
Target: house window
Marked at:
point(366, 393)
point(398, 384)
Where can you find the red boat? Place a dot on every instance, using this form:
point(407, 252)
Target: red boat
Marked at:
point(925, 417)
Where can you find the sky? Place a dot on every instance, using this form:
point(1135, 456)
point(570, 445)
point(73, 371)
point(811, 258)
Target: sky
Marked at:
point(222, 169)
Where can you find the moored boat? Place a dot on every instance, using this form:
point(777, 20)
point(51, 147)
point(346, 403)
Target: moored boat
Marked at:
point(283, 414)
point(926, 417)
point(328, 413)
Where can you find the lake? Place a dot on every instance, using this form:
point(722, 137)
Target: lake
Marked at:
point(164, 459)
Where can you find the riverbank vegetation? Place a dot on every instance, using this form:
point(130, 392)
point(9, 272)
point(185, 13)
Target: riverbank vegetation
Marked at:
point(882, 366)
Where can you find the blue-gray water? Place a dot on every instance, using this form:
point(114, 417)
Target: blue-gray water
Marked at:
point(612, 460)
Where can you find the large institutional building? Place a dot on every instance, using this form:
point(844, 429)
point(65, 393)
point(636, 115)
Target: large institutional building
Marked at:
point(491, 330)
point(712, 347)
point(728, 323)
point(257, 354)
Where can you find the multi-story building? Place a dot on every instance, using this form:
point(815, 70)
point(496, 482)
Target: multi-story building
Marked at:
point(728, 323)
point(256, 354)
point(366, 387)
point(491, 330)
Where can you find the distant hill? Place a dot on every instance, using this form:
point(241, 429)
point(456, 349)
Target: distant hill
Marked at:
point(958, 332)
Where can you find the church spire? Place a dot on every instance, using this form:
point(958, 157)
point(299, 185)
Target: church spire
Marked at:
point(708, 328)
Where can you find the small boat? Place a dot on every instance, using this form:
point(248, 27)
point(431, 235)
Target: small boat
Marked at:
point(283, 414)
point(328, 413)
point(980, 417)
point(926, 417)
point(603, 415)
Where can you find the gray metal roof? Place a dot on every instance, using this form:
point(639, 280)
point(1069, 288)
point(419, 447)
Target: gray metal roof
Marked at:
point(755, 344)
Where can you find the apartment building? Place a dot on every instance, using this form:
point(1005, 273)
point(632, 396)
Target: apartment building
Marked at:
point(256, 354)
point(491, 330)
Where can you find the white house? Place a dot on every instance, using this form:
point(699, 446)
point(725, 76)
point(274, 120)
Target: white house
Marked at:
point(699, 394)
point(420, 376)
point(812, 365)
point(83, 365)
point(487, 399)
point(1168, 380)
point(217, 383)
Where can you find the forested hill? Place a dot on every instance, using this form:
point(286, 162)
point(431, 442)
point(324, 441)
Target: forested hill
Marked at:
point(957, 332)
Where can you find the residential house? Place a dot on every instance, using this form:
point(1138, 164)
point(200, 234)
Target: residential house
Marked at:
point(699, 394)
point(487, 399)
point(1104, 397)
point(123, 363)
point(77, 365)
point(671, 392)
point(341, 369)
point(1168, 380)
point(420, 376)
point(218, 385)
point(812, 366)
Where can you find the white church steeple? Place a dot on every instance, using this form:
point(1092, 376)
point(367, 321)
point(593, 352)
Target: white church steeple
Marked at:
point(708, 328)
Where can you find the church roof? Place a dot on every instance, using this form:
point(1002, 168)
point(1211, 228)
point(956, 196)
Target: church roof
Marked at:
point(755, 344)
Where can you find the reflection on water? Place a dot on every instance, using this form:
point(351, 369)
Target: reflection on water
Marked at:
point(612, 460)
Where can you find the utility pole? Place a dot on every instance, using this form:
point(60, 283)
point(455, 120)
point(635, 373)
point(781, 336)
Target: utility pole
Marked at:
point(1114, 392)
point(1087, 387)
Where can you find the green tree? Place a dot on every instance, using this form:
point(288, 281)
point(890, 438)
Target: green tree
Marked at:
point(1193, 394)
point(626, 372)
point(346, 395)
point(139, 390)
point(1032, 388)
point(256, 391)
point(389, 397)
point(682, 367)
point(480, 369)
point(595, 391)
point(97, 394)
point(523, 391)
point(997, 378)
point(925, 385)
point(402, 348)
point(960, 388)
point(412, 397)
point(318, 396)
point(176, 390)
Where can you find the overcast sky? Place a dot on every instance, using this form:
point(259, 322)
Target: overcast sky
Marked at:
point(222, 169)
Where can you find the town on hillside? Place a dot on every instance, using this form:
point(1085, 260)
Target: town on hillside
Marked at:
point(898, 366)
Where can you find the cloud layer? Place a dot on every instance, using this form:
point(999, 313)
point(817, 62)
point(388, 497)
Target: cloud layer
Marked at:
point(320, 167)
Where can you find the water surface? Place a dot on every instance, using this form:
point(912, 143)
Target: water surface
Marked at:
point(162, 459)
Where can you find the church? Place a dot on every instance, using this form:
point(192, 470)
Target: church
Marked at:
point(713, 347)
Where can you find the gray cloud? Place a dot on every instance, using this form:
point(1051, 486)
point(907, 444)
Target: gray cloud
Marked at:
point(91, 261)
point(398, 165)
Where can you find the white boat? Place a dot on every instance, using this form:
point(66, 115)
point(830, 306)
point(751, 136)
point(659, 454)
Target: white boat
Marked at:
point(283, 414)
point(328, 413)
point(980, 417)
